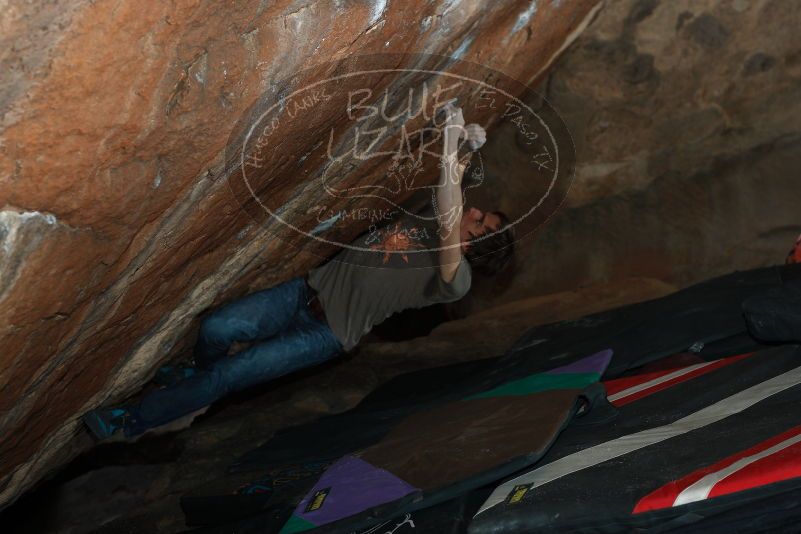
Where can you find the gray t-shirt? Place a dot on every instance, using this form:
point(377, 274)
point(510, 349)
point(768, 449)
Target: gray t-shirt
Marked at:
point(360, 288)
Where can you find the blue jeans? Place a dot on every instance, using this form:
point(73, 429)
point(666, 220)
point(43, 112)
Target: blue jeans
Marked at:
point(289, 338)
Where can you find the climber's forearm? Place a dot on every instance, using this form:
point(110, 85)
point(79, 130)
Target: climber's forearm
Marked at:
point(450, 205)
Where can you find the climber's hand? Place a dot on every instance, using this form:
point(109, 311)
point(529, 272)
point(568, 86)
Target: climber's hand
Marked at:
point(475, 136)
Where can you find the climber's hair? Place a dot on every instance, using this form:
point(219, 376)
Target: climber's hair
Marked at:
point(491, 255)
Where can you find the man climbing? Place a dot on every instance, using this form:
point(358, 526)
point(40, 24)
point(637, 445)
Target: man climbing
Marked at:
point(309, 320)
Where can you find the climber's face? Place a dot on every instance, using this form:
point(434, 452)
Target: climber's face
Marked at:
point(476, 223)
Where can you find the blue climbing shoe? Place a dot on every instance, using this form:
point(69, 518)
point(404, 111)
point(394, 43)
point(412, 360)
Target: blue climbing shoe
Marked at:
point(105, 422)
point(169, 375)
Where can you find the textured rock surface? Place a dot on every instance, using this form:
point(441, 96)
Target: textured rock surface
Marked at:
point(490, 332)
point(686, 115)
point(116, 222)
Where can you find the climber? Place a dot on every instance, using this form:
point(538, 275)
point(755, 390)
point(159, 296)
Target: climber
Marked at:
point(309, 320)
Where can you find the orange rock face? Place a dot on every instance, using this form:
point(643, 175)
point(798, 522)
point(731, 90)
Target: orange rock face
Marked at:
point(117, 224)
